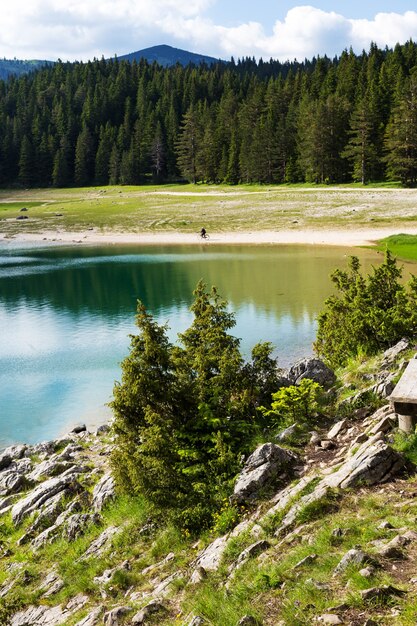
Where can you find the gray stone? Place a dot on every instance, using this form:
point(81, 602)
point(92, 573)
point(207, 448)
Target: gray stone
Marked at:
point(11, 482)
point(329, 618)
point(287, 433)
point(102, 430)
point(210, 557)
point(248, 620)
point(197, 621)
point(48, 616)
point(48, 468)
point(78, 523)
point(112, 618)
point(108, 574)
point(100, 544)
point(313, 369)
point(11, 454)
point(103, 492)
point(391, 354)
point(367, 572)
point(52, 584)
point(308, 560)
point(81, 428)
point(335, 431)
point(42, 494)
point(198, 576)
point(253, 550)
point(264, 466)
point(381, 594)
point(353, 557)
point(93, 618)
point(150, 609)
point(163, 588)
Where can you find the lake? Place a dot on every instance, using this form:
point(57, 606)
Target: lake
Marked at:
point(66, 315)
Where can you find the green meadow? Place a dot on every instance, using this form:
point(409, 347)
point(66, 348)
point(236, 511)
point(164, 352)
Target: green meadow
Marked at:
point(220, 208)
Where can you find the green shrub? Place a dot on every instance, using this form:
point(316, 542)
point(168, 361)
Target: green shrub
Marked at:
point(184, 414)
point(297, 403)
point(368, 314)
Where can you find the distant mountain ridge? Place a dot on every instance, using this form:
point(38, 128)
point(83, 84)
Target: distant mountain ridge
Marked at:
point(164, 55)
point(167, 55)
point(17, 67)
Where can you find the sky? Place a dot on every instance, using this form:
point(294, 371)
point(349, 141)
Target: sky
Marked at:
point(281, 29)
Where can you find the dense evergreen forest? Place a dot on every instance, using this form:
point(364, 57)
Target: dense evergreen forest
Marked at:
point(352, 118)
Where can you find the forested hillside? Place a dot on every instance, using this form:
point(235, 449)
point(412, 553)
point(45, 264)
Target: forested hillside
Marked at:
point(353, 118)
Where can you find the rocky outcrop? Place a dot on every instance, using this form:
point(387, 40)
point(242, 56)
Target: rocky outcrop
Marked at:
point(48, 616)
point(104, 491)
point(265, 466)
point(43, 493)
point(313, 369)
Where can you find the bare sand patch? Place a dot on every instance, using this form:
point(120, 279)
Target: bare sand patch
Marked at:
point(326, 237)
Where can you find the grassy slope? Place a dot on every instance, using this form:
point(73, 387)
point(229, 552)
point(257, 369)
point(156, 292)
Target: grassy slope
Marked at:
point(267, 588)
point(184, 208)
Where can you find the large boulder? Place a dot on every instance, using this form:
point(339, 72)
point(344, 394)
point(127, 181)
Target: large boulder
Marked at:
point(264, 467)
point(314, 369)
point(103, 492)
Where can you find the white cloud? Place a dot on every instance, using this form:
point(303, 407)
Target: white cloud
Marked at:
point(81, 29)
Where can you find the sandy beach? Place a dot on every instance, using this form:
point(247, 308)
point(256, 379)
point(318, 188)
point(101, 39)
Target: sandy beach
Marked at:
point(325, 237)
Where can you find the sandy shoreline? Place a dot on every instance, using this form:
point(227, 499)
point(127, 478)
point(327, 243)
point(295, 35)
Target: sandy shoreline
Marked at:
point(350, 238)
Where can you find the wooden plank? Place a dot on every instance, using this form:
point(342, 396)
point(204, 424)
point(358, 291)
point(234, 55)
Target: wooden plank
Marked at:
point(406, 389)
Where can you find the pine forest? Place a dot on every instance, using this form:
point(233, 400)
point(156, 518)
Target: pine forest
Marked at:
point(348, 119)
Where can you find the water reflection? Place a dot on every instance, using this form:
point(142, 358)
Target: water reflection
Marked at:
point(65, 317)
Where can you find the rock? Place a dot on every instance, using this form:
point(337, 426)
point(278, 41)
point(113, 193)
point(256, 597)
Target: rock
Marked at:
point(164, 587)
point(112, 618)
point(308, 560)
point(49, 468)
point(392, 550)
point(93, 618)
point(11, 482)
point(80, 428)
point(385, 424)
point(391, 354)
point(287, 433)
point(374, 462)
point(6, 504)
point(97, 547)
point(197, 621)
point(315, 437)
point(42, 494)
point(48, 616)
point(108, 574)
point(77, 524)
point(385, 526)
point(314, 369)
point(150, 609)
point(262, 467)
point(248, 620)
point(46, 516)
point(327, 445)
point(11, 454)
point(103, 429)
point(253, 550)
point(52, 584)
point(367, 572)
point(211, 556)
point(198, 576)
point(103, 492)
point(335, 431)
point(329, 618)
point(381, 594)
point(353, 557)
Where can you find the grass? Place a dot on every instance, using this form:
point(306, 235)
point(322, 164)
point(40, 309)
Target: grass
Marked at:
point(402, 246)
point(184, 208)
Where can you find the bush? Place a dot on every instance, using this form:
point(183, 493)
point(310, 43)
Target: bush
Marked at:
point(184, 414)
point(297, 403)
point(369, 314)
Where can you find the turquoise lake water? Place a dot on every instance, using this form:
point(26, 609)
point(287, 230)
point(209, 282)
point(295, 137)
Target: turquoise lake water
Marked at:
point(66, 315)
